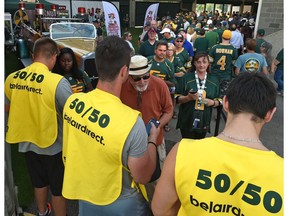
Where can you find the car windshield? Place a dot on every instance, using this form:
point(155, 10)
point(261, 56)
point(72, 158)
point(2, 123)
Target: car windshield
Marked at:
point(72, 30)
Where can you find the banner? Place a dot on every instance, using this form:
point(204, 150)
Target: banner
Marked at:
point(151, 13)
point(112, 21)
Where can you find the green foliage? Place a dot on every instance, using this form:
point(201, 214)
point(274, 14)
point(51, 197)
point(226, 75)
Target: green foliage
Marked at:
point(21, 178)
point(135, 35)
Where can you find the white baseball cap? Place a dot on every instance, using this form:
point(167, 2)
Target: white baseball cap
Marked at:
point(165, 30)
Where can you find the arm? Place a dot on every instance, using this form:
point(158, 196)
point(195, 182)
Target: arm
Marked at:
point(7, 105)
point(169, 83)
point(165, 118)
point(273, 67)
point(264, 70)
point(276, 62)
point(87, 81)
point(184, 99)
point(237, 71)
point(142, 167)
point(63, 91)
point(89, 87)
point(165, 200)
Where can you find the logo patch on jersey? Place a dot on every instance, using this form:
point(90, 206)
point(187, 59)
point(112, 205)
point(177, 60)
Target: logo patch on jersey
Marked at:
point(252, 65)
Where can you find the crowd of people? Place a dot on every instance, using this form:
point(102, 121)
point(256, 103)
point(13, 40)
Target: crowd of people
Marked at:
point(92, 145)
point(201, 33)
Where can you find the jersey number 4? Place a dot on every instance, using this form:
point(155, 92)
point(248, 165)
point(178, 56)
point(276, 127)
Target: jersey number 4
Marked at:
point(222, 62)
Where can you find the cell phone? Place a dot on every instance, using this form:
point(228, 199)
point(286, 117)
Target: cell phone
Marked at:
point(148, 125)
point(191, 91)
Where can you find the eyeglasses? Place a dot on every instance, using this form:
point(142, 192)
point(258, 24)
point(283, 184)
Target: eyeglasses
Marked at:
point(179, 41)
point(137, 79)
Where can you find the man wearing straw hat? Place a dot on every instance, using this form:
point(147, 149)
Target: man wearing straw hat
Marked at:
point(149, 95)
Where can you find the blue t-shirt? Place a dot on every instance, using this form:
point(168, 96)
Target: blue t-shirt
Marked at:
point(251, 62)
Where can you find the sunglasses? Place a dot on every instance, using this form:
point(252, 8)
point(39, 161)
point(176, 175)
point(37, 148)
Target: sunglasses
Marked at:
point(129, 35)
point(137, 79)
point(179, 41)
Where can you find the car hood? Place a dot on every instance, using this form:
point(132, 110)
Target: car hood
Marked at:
point(80, 46)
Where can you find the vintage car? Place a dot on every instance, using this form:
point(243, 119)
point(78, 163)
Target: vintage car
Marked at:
point(80, 37)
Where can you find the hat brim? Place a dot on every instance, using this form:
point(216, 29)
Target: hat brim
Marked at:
point(140, 71)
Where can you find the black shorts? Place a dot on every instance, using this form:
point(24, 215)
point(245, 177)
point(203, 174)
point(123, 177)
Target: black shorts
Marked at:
point(46, 170)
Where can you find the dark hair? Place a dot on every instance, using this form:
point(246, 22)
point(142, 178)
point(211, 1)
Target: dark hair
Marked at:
point(161, 43)
point(252, 93)
point(74, 70)
point(202, 31)
point(201, 54)
point(251, 44)
point(45, 47)
point(110, 56)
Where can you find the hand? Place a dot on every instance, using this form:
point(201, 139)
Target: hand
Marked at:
point(179, 74)
point(154, 132)
point(208, 102)
point(192, 96)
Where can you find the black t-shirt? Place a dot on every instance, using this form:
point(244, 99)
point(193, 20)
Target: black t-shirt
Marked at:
point(99, 31)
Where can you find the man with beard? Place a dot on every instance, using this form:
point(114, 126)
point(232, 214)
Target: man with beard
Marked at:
point(147, 94)
point(150, 96)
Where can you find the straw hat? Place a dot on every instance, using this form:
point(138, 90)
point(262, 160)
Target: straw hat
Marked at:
point(138, 65)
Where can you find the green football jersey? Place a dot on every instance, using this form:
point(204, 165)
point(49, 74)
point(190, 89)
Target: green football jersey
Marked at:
point(222, 58)
point(164, 70)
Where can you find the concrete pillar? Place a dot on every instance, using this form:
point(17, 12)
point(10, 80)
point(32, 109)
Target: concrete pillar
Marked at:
point(132, 10)
point(194, 6)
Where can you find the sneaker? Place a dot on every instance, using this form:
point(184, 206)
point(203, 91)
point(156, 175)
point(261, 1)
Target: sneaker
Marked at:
point(281, 93)
point(49, 210)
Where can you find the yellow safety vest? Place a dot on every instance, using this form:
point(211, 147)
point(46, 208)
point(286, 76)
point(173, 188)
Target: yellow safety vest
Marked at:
point(213, 176)
point(32, 114)
point(95, 128)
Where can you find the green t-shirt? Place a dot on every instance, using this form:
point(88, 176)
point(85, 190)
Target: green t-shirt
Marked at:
point(259, 41)
point(201, 44)
point(146, 49)
point(219, 31)
point(280, 58)
point(212, 37)
point(222, 58)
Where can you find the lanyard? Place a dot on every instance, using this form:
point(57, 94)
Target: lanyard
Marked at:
point(200, 88)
